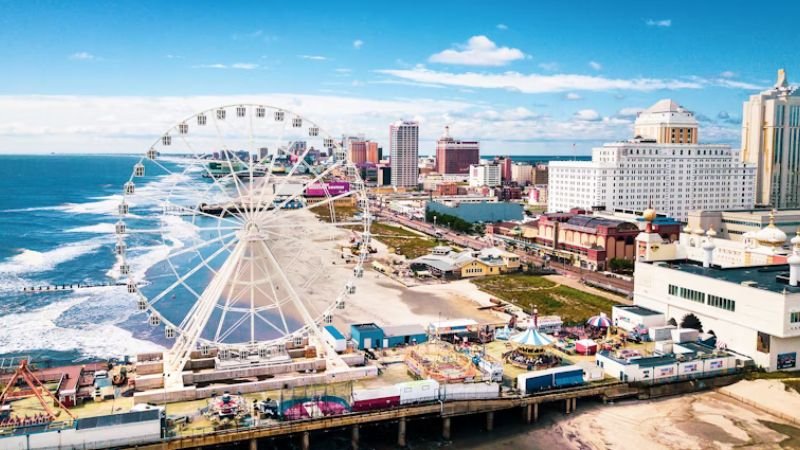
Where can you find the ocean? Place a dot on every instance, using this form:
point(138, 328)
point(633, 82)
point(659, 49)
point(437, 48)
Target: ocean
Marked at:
point(540, 159)
point(57, 216)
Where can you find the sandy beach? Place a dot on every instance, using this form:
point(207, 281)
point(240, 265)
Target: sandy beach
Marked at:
point(707, 420)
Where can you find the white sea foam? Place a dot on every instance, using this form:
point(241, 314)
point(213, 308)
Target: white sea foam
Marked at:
point(31, 261)
point(102, 228)
point(38, 329)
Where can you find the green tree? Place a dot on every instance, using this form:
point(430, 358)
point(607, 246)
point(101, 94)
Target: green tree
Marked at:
point(618, 265)
point(691, 321)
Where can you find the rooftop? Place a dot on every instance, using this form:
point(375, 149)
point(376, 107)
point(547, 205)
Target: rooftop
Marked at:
point(403, 330)
point(771, 278)
point(365, 326)
point(640, 310)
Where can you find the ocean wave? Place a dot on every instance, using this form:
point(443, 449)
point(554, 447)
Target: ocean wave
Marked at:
point(32, 261)
point(39, 329)
point(101, 228)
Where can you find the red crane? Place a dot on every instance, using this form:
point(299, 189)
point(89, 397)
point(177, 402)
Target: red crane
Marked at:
point(39, 390)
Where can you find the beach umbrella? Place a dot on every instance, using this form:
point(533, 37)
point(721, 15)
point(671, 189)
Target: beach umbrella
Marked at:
point(600, 321)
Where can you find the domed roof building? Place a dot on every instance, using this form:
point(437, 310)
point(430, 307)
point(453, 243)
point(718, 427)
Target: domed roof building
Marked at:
point(771, 236)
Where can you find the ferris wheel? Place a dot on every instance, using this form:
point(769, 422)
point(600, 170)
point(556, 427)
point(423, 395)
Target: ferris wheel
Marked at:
point(254, 210)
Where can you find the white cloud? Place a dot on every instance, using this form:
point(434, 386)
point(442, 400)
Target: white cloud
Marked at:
point(629, 112)
point(549, 66)
point(727, 74)
point(239, 66)
point(81, 56)
point(663, 23)
point(358, 43)
point(478, 51)
point(244, 66)
point(538, 83)
point(587, 115)
point(313, 57)
point(171, 56)
point(502, 26)
point(724, 82)
point(572, 96)
point(595, 65)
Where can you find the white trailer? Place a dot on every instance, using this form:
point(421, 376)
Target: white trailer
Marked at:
point(418, 391)
point(469, 391)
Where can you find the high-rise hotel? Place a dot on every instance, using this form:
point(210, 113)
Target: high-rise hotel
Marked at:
point(771, 140)
point(454, 156)
point(663, 166)
point(404, 153)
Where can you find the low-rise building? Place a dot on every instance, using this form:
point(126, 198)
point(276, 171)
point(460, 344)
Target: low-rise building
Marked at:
point(688, 360)
point(485, 175)
point(446, 263)
point(735, 225)
point(480, 211)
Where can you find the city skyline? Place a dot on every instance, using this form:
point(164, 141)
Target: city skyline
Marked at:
point(522, 79)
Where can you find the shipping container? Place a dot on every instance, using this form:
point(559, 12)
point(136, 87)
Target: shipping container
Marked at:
point(681, 335)
point(557, 377)
point(661, 333)
point(586, 347)
point(418, 391)
point(469, 391)
point(335, 338)
point(373, 399)
point(567, 379)
point(663, 347)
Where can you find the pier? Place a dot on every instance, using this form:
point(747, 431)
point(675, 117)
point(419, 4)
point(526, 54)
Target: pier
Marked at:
point(66, 287)
point(436, 414)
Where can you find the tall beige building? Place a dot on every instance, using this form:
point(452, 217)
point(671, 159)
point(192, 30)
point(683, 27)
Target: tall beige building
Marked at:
point(666, 122)
point(771, 139)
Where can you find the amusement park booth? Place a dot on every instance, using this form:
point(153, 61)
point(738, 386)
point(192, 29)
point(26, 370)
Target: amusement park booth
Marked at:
point(630, 317)
point(455, 327)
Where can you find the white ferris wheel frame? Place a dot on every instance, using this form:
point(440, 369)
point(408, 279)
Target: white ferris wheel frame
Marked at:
point(231, 232)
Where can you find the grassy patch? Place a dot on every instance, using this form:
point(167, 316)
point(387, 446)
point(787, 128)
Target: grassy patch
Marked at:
point(777, 375)
point(410, 244)
point(525, 291)
point(343, 212)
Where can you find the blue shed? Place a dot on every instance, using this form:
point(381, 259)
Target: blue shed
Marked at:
point(404, 334)
point(366, 335)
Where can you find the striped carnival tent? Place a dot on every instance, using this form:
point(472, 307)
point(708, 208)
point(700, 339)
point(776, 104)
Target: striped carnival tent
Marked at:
point(599, 321)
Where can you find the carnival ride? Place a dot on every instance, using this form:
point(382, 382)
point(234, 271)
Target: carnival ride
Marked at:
point(50, 410)
point(248, 267)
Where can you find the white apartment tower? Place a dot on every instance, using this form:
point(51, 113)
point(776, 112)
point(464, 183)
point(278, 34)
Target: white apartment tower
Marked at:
point(674, 178)
point(484, 175)
point(771, 140)
point(404, 152)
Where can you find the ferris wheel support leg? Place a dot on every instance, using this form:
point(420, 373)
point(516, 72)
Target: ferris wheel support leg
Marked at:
point(175, 360)
point(327, 349)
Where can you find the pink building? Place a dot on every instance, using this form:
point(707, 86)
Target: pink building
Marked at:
point(505, 169)
point(360, 152)
point(453, 157)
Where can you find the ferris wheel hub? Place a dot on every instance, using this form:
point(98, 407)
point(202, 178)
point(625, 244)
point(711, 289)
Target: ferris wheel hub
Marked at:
point(252, 231)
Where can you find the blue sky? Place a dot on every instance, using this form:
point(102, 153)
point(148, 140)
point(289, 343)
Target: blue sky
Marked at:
point(524, 77)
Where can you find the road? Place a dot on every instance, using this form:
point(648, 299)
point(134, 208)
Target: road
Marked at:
point(623, 287)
